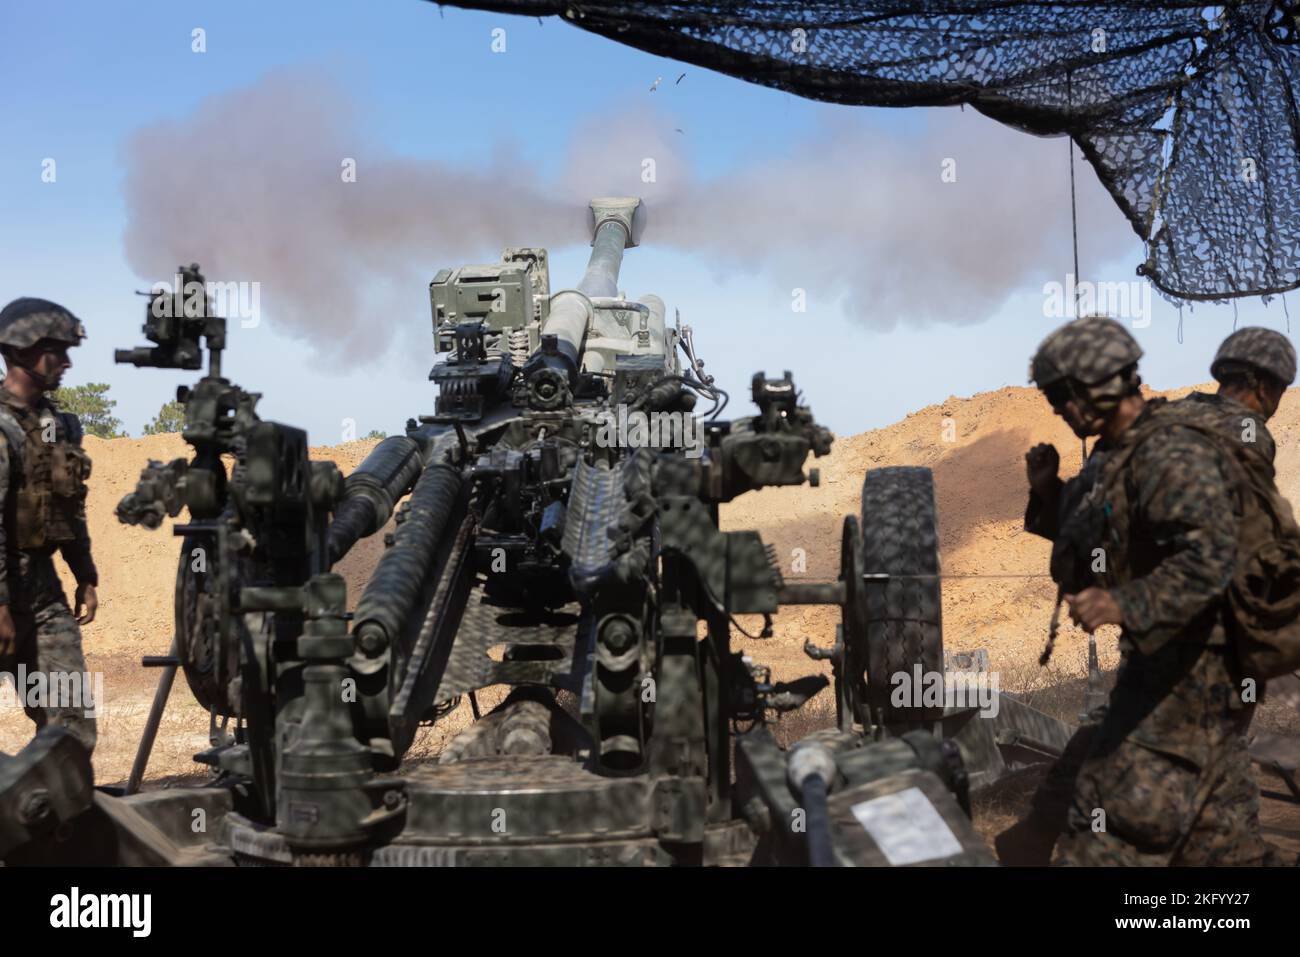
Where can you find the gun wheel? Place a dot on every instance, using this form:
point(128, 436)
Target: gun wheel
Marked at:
point(898, 619)
point(197, 616)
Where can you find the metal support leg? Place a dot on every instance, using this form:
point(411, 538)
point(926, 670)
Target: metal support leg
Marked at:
point(155, 719)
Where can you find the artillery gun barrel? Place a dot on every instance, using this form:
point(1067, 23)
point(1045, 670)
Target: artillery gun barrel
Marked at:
point(571, 309)
point(601, 277)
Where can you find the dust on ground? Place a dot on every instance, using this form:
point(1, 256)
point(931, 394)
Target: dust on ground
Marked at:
point(975, 447)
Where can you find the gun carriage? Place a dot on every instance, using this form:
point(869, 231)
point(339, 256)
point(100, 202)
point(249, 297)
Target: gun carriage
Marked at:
point(556, 533)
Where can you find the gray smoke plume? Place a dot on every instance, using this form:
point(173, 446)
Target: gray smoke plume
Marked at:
point(941, 223)
point(252, 186)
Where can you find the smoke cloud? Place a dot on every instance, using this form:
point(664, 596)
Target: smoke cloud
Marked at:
point(254, 185)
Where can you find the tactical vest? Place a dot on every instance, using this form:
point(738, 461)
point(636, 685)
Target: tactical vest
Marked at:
point(1262, 608)
point(48, 472)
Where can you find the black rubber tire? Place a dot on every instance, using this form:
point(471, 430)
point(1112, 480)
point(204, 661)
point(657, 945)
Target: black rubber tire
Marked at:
point(196, 623)
point(903, 616)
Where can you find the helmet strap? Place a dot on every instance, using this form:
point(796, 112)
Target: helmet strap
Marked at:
point(42, 382)
point(1258, 385)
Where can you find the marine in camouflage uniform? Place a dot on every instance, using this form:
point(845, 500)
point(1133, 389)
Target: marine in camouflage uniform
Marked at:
point(1167, 778)
point(1099, 358)
point(43, 471)
point(1254, 366)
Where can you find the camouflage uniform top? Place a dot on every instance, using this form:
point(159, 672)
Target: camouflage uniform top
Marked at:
point(75, 548)
point(1235, 420)
point(1171, 547)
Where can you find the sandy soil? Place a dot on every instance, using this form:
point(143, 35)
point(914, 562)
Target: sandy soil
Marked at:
point(974, 445)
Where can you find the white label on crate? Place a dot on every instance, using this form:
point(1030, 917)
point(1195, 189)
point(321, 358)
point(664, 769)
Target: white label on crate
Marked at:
point(907, 828)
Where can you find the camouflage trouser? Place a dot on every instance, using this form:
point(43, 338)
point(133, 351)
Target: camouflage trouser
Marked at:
point(1029, 842)
point(49, 643)
point(1156, 809)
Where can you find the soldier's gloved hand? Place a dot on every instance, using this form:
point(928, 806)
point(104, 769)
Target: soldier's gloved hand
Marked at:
point(1094, 607)
point(1042, 462)
point(8, 634)
point(86, 596)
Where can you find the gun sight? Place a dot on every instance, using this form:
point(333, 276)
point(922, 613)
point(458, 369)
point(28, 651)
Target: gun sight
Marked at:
point(177, 321)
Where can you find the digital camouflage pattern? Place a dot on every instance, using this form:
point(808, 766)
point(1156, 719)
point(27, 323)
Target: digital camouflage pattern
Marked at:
point(1088, 350)
point(1236, 421)
point(1135, 806)
point(45, 508)
point(1171, 528)
point(48, 637)
point(49, 642)
point(1174, 468)
point(1167, 764)
point(1061, 518)
point(1260, 348)
point(25, 322)
point(1263, 603)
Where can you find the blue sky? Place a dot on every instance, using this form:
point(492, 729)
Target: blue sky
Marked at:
point(82, 79)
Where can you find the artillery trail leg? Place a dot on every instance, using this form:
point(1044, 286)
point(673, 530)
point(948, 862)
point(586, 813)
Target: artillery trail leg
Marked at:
point(160, 696)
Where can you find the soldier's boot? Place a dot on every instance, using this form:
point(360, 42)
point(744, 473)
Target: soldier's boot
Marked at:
point(1027, 843)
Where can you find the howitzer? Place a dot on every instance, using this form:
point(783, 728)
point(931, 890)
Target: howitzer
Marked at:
point(557, 534)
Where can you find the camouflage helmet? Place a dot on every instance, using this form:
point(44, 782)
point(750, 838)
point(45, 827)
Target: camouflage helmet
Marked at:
point(1090, 351)
point(25, 322)
point(1256, 348)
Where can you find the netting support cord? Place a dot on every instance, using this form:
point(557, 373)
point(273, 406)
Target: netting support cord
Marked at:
point(1074, 234)
point(1074, 211)
point(1074, 230)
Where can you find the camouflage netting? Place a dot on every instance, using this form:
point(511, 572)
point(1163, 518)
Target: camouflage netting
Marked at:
point(1187, 112)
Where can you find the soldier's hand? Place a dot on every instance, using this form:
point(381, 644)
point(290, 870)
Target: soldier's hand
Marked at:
point(1094, 607)
point(1042, 462)
point(86, 596)
point(8, 634)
